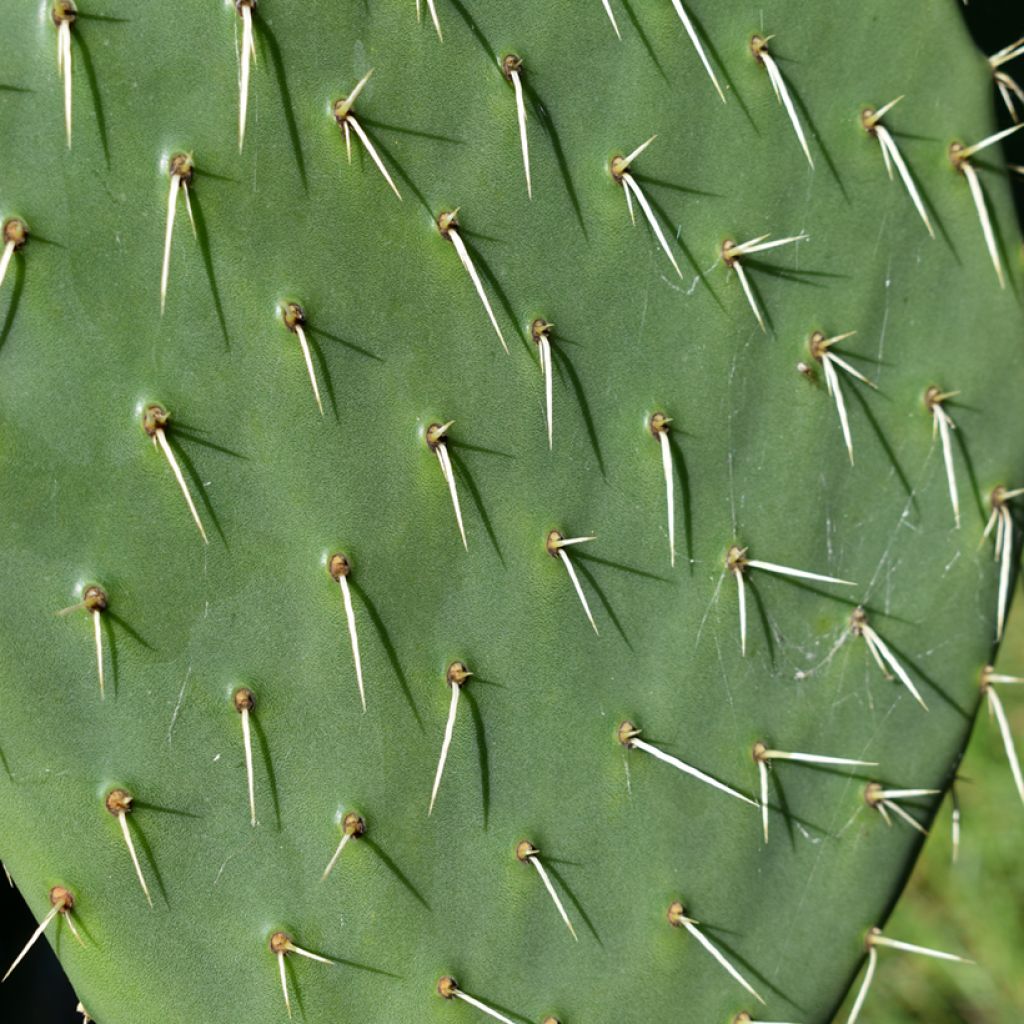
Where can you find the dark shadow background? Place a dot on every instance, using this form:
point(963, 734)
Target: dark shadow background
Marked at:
point(994, 24)
point(37, 992)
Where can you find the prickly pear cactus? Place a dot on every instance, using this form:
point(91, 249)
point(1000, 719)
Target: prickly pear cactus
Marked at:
point(235, 450)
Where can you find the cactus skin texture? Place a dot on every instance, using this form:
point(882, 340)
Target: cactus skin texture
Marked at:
point(400, 341)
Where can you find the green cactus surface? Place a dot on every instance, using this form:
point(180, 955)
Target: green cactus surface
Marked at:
point(97, 385)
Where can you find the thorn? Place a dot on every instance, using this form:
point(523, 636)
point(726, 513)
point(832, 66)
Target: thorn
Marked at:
point(448, 472)
point(731, 250)
point(98, 633)
point(966, 152)
point(732, 253)
point(15, 235)
point(886, 158)
point(284, 982)
point(365, 139)
point(852, 371)
point(762, 771)
point(996, 705)
point(955, 822)
point(885, 800)
point(448, 989)
point(545, 359)
point(181, 170)
point(281, 945)
point(759, 47)
point(624, 162)
point(821, 349)
point(943, 423)
point(996, 677)
point(154, 420)
point(611, 16)
point(978, 196)
point(299, 951)
point(541, 333)
point(906, 794)
point(555, 545)
point(119, 803)
point(1002, 521)
point(630, 185)
point(307, 357)
point(911, 821)
point(245, 702)
point(447, 224)
point(529, 854)
point(741, 590)
point(737, 563)
point(745, 1018)
point(659, 426)
point(244, 8)
point(433, 17)
point(760, 244)
point(749, 292)
point(347, 120)
point(836, 391)
point(61, 902)
point(334, 860)
point(66, 67)
point(294, 317)
point(1011, 93)
point(456, 678)
point(992, 519)
point(782, 755)
point(891, 153)
point(1007, 53)
point(960, 157)
point(94, 601)
point(339, 568)
point(763, 756)
point(629, 736)
point(692, 33)
point(69, 921)
point(172, 205)
point(64, 16)
point(678, 919)
point(512, 68)
point(1005, 566)
point(876, 938)
point(345, 107)
point(435, 436)
point(891, 156)
point(883, 656)
point(865, 985)
point(352, 827)
point(188, 209)
point(86, 1019)
point(872, 117)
